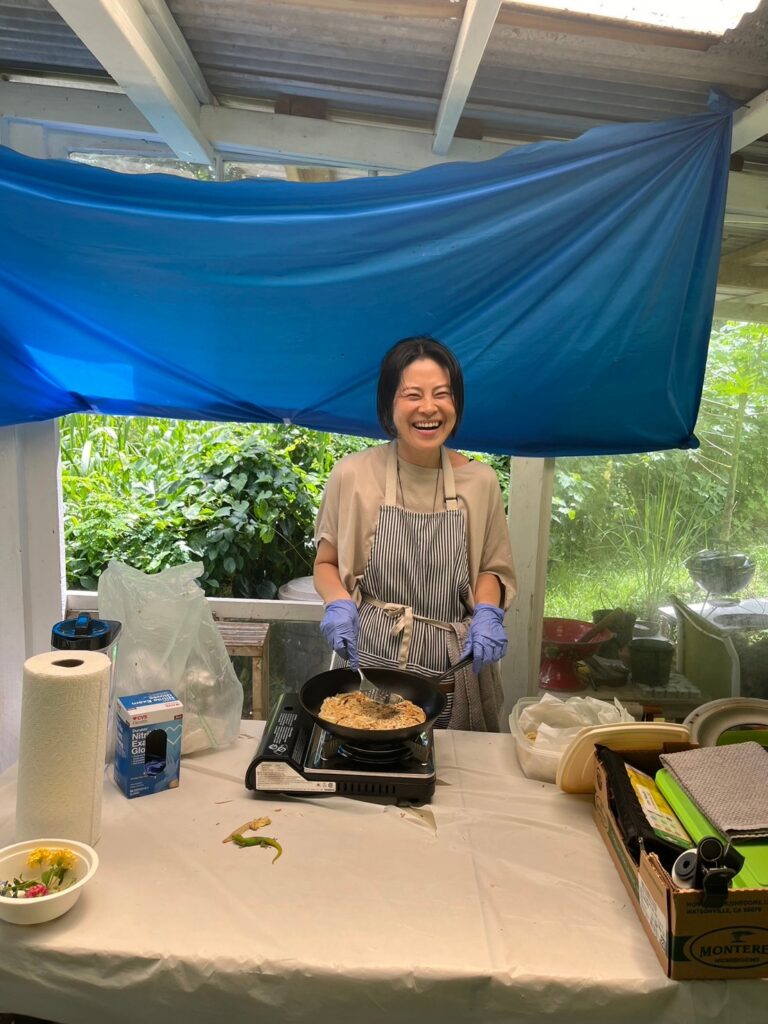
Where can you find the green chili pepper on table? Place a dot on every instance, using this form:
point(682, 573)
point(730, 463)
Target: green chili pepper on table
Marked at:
point(239, 840)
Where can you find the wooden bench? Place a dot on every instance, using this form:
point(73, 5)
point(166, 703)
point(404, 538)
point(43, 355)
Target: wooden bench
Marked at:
point(250, 640)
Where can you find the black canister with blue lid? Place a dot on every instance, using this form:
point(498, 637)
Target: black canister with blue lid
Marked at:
point(85, 634)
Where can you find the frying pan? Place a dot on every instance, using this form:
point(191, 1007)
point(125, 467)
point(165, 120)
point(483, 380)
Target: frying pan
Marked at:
point(417, 689)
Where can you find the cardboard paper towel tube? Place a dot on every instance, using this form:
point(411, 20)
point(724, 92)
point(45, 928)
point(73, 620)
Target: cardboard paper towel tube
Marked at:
point(64, 703)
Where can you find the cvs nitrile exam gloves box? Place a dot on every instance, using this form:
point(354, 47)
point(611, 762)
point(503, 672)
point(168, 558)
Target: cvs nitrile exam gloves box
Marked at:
point(148, 742)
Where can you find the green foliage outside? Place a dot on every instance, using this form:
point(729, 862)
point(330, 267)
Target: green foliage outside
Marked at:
point(623, 526)
point(242, 497)
point(153, 493)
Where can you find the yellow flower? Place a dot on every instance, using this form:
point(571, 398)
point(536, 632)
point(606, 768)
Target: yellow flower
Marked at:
point(62, 858)
point(38, 856)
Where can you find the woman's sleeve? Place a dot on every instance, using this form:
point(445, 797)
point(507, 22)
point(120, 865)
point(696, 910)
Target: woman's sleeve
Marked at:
point(496, 556)
point(327, 522)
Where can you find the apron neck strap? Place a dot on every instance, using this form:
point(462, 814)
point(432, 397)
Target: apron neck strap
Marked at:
point(449, 481)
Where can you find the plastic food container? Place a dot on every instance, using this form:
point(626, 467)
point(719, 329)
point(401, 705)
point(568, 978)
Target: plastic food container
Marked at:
point(537, 764)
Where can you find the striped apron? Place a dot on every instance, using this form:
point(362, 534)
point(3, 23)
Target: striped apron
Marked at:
point(414, 592)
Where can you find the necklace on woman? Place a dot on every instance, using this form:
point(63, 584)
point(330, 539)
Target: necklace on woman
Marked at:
point(437, 485)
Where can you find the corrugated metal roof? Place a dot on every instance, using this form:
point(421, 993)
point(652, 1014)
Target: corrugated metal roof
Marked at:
point(544, 74)
point(33, 37)
point(361, 63)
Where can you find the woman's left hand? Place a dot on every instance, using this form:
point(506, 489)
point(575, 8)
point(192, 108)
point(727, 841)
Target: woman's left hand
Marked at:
point(487, 641)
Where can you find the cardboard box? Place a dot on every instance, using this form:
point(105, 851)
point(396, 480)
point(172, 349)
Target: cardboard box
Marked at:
point(148, 742)
point(691, 941)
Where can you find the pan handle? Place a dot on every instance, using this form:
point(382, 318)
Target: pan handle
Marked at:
point(466, 660)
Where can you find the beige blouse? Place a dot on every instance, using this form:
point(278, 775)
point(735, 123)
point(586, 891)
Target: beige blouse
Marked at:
point(355, 489)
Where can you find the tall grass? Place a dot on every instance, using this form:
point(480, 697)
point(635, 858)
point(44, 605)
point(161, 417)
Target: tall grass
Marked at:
point(654, 537)
point(577, 588)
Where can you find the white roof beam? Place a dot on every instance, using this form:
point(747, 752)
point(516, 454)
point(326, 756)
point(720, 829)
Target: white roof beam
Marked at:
point(68, 109)
point(165, 25)
point(754, 279)
point(744, 311)
point(288, 139)
point(474, 33)
point(149, 59)
point(251, 134)
point(741, 257)
point(750, 122)
point(747, 194)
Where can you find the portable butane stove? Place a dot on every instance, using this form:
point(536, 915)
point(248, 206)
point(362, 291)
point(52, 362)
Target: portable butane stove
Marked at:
point(296, 756)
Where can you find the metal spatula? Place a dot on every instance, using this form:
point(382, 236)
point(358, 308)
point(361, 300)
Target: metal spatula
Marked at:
point(374, 692)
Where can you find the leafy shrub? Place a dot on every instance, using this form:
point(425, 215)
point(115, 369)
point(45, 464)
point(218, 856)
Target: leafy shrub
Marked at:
point(251, 518)
point(155, 493)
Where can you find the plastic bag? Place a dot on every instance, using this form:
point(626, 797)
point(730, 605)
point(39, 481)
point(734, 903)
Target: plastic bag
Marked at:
point(170, 641)
point(556, 722)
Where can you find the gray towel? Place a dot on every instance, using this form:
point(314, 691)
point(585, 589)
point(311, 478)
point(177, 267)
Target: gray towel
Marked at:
point(728, 784)
point(476, 699)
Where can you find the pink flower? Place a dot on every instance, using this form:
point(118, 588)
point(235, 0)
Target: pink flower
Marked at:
point(36, 890)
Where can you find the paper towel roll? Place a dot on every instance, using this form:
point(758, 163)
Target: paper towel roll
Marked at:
point(62, 744)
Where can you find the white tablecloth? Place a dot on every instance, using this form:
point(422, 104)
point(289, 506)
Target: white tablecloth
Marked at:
point(498, 902)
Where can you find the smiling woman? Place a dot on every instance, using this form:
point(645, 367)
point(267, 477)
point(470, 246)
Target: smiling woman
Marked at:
point(413, 556)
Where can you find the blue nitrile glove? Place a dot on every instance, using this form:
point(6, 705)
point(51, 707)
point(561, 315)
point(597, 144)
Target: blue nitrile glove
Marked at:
point(487, 641)
point(340, 627)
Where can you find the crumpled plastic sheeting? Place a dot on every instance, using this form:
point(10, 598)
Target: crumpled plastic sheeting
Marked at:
point(512, 913)
point(556, 722)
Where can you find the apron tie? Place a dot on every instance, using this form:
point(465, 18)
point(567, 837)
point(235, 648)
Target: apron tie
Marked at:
point(403, 616)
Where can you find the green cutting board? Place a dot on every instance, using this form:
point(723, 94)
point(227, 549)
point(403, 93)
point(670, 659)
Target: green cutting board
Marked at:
point(754, 874)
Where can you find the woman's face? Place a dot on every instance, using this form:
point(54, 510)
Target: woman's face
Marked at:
point(423, 411)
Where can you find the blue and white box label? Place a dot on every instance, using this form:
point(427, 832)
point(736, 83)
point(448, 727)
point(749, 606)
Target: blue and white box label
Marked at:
point(148, 742)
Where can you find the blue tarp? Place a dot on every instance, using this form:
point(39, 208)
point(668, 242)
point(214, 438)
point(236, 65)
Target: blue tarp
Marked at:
point(574, 280)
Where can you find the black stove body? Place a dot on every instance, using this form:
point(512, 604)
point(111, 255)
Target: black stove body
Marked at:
point(295, 756)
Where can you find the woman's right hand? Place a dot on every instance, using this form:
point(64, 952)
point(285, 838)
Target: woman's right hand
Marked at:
point(340, 627)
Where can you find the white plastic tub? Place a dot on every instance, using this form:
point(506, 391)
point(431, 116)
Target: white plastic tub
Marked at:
point(537, 764)
point(562, 722)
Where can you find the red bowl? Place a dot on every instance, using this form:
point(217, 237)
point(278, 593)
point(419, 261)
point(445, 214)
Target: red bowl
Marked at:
point(559, 638)
point(560, 652)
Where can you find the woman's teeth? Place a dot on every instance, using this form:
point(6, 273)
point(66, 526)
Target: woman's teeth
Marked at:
point(432, 425)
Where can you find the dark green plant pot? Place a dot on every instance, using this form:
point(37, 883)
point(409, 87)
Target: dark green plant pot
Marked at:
point(650, 660)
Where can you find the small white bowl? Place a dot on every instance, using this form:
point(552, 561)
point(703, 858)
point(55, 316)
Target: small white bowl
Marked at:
point(37, 909)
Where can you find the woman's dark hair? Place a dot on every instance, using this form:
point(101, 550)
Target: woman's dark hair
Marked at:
point(401, 355)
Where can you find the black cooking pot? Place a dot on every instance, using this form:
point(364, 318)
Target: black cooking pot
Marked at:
point(417, 689)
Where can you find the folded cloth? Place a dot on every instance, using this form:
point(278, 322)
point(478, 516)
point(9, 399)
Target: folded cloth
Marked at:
point(476, 699)
point(729, 785)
